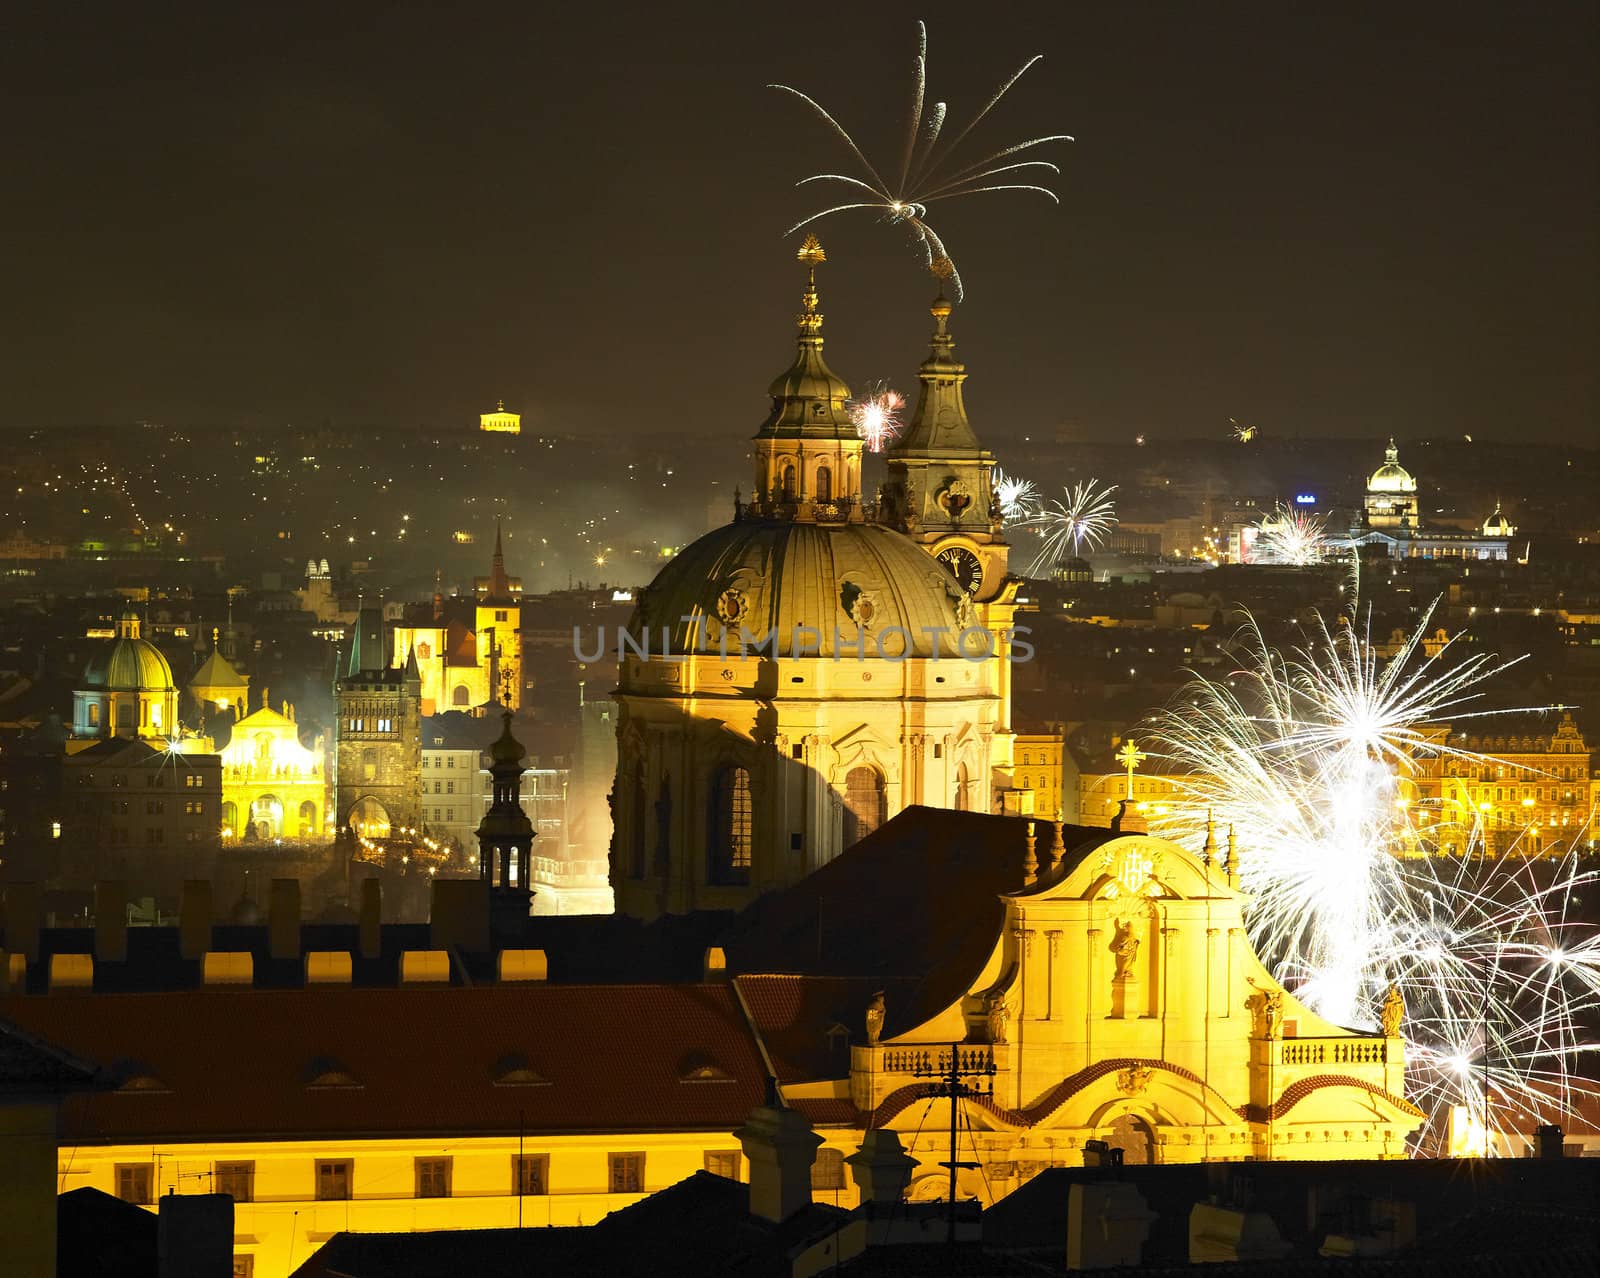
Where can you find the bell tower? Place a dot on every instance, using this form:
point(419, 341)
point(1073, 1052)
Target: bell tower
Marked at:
point(505, 835)
point(940, 490)
point(808, 455)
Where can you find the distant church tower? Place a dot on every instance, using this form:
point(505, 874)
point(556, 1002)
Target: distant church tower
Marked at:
point(378, 736)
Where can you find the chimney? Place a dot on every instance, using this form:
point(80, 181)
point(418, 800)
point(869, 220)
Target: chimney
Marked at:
point(881, 1168)
point(512, 966)
point(194, 1236)
point(283, 919)
point(23, 904)
point(371, 918)
point(780, 1147)
point(110, 922)
point(194, 918)
point(458, 916)
point(1551, 1141)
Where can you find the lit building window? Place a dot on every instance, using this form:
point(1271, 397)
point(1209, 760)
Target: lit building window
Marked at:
point(626, 1173)
point(133, 1182)
point(433, 1178)
point(531, 1173)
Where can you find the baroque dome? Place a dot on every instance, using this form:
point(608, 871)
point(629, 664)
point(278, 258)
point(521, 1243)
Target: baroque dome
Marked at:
point(1391, 477)
point(129, 663)
point(765, 575)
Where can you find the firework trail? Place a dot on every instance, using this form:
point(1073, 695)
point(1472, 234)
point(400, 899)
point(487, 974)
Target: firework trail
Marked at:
point(1068, 527)
point(1314, 758)
point(923, 173)
point(1291, 537)
point(1017, 498)
point(877, 416)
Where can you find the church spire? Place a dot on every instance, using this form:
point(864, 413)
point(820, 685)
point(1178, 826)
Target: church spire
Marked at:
point(499, 584)
point(940, 421)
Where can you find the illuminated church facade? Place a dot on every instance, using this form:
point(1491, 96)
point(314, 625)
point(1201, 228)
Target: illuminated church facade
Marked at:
point(801, 675)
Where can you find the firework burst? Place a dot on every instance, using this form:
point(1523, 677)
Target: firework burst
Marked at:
point(923, 172)
point(1017, 498)
point(1316, 759)
point(1082, 521)
point(1242, 433)
point(877, 416)
point(1291, 537)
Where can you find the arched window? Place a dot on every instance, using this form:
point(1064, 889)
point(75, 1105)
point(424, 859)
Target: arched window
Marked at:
point(824, 484)
point(638, 824)
point(964, 788)
point(731, 819)
point(308, 820)
point(786, 479)
point(94, 714)
point(865, 805)
point(460, 696)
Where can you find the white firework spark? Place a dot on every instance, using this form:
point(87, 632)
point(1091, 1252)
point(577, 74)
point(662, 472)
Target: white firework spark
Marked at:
point(922, 174)
point(1068, 527)
point(877, 416)
point(1017, 497)
point(1314, 759)
point(1291, 537)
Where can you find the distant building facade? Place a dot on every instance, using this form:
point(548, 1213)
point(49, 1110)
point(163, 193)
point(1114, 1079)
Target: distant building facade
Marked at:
point(500, 422)
point(1391, 517)
point(273, 786)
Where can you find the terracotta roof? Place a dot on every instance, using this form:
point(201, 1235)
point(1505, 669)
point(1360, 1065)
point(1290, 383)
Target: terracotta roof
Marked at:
point(917, 901)
point(31, 1067)
point(795, 1015)
point(246, 1062)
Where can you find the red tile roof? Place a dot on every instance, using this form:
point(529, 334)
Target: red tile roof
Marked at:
point(237, 1062)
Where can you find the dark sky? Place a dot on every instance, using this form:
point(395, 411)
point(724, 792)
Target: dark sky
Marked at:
point(1327, 218)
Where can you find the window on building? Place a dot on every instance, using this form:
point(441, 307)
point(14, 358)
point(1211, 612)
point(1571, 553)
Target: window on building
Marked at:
point(237, 1180)
point(334, 1177)
point(152, 835)
point(723, 1162)
point(824, 484)
point(530, 1173)
point(731, 826)
point(438, 787)
point(865, 804)
point(637, 835)
point(450, 761)
point(461, 696)
point(433, 1178)
point(134, 1182)
point(244, 1266)
point(627, 1173)
point(828, 1171)
point(500, 614)
point(94, 714)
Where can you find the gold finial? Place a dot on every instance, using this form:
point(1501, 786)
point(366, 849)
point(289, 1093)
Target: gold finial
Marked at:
point(810, 320)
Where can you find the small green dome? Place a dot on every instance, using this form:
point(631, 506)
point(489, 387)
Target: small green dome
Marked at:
point(129, 663)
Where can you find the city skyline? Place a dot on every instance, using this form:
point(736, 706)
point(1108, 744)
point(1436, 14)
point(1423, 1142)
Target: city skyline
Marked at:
point(353, 222)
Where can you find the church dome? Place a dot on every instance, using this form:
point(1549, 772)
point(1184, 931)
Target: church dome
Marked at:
point(1391, 477)
point(128, 663)
point(775, 575)
point(1497, 525)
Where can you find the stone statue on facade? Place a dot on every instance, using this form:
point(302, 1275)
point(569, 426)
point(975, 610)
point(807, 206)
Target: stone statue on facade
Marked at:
point(875, 1014)
point(998, 1012)
point(1394, 1012)
point(1125, 946)
point(1266, 1011)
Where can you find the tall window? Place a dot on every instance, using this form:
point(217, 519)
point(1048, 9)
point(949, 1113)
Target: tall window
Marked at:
point(333, 1179)
point(731, 826)
point(627, 1173)
point(787, 481)
point(964, 789)
point(865, 804)
point(461, 696)
point(828, 1171)
point(133, 1182)
point(639, 823)
point(531, 1173)
point(824, 484)
point(433, 1178)
point(237, 1180)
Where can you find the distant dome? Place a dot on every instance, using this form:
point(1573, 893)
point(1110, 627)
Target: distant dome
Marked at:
point(766, 575)
point(1497, 525)
point(1391, 477)
point(129, 663)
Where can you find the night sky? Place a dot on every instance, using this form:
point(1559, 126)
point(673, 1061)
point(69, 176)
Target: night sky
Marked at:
point(1329, 219)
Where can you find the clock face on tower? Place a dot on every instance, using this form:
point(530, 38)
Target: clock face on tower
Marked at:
point(965, 566)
